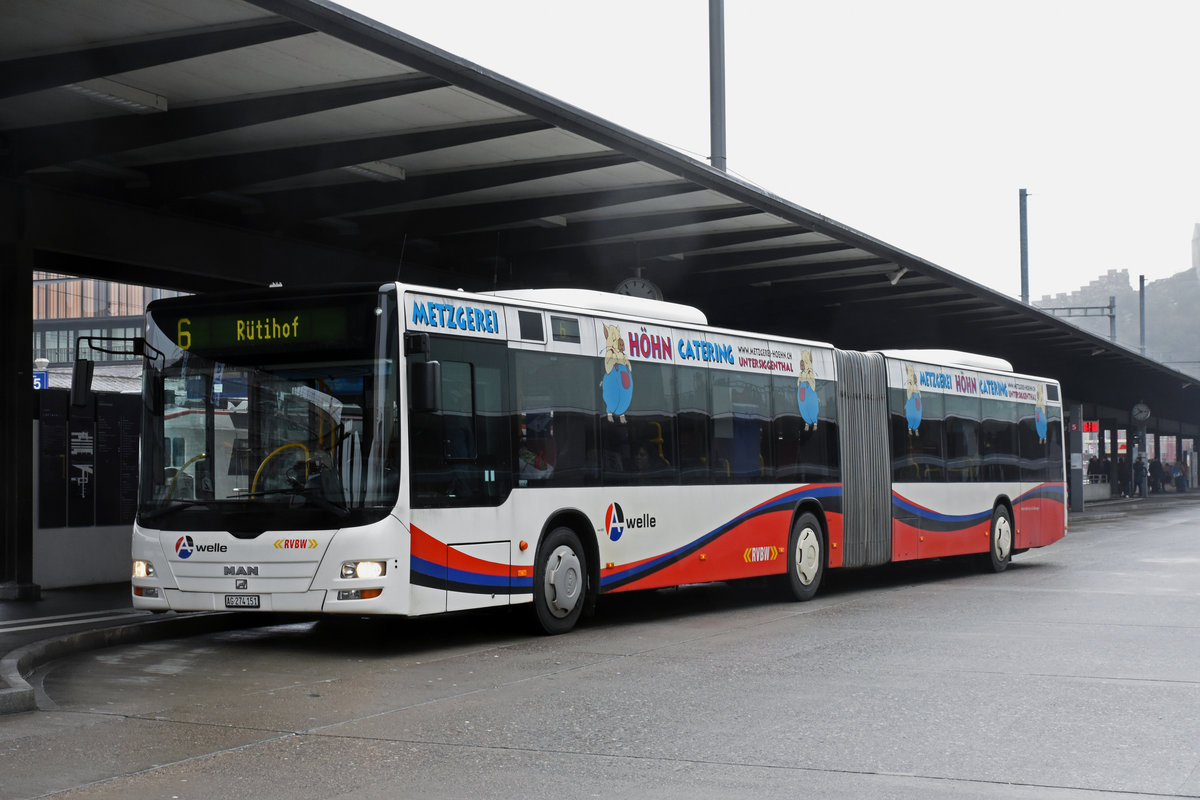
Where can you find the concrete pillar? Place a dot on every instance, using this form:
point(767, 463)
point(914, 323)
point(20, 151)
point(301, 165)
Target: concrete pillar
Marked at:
point(16, 413)
point(1075, 457)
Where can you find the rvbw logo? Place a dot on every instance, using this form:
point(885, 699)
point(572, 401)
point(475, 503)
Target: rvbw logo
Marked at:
point(616, 522)
point(185, 547)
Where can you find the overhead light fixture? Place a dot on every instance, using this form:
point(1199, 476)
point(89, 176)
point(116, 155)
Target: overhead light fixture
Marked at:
point(894, 277)
point(378, 171)
point(243, 203)
point(102, 90)
point(339, 225)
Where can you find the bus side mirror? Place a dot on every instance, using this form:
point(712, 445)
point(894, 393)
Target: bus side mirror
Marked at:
point(425, 388)
point(81, 382)
point(416, 343)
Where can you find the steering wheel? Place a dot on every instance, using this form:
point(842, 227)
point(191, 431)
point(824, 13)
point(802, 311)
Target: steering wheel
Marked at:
point(272, 454)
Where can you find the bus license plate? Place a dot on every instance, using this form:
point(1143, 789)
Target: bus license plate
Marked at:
point(241, 601)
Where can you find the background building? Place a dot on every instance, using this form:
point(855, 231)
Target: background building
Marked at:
point(66, 307)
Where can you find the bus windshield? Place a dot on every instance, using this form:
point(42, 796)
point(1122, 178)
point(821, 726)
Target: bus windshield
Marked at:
point(275, 413)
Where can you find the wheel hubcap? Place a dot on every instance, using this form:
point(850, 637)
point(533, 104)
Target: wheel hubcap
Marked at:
point(808, 556)
point(1003, 538)
point(564, 581)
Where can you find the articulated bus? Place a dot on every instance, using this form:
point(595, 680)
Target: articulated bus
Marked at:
point(408, 450)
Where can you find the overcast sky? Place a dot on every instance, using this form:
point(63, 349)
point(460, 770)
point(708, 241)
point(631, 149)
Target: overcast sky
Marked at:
point(915, 122)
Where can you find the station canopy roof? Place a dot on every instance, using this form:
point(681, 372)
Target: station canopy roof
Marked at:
point(204, 145)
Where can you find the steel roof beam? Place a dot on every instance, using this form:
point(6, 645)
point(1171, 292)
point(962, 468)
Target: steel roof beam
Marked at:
point(436, 221)
point(739, 260)
point(36, 73)
point(580, 237)
point(231, 172)
point(847, 273)
point(586, 231)
point(297, 205)
point(657, 248)
point(684, 246)
point(891, 294)
point(147, 240)
point(47, 145)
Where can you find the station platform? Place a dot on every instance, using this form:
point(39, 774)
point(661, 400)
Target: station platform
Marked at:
point(65, 621)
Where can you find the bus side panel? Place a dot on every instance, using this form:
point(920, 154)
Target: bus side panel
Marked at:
point(753, 543)
point(931, 522)
point(754, 547)
point(647, 540)
point(455, 577)
point(1041, 516)
point(835, 531)
point(906, 529)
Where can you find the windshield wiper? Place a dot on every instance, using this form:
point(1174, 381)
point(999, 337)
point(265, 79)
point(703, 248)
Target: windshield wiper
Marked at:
point(308, 493)
point(175, 505)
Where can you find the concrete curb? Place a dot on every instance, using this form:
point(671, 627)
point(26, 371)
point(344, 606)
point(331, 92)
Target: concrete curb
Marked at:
point(16, 695)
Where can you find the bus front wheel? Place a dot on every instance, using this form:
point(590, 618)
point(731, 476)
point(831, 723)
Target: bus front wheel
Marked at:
point(806, 557)
point(559, 581)
point(1000, 539)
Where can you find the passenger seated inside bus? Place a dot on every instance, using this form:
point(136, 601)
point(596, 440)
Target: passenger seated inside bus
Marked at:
point(649, 461)
point(536, 458)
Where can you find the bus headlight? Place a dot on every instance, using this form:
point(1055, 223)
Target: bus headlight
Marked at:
point(143, 569)
point(363, 569)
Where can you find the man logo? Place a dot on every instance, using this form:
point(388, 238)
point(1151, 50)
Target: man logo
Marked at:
point(614, 521)
point(185, 547)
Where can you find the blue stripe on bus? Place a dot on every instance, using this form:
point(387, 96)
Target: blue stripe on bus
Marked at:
point(441, 577)
point(926, 513)
point(1054, 491)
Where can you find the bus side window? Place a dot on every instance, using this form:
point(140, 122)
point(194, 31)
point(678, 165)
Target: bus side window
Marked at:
point(462, 455)
point(741, 410)
point(694, 422)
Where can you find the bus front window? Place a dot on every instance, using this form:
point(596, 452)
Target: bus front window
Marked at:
point(279, 437)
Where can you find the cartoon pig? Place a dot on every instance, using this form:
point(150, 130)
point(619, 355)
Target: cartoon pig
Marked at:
point(912, 406)
point(1039, 415)
point(806, 392)
point(617, 384)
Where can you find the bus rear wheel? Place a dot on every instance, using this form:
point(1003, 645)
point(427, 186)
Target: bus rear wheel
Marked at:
point(559, 581)
point(806, 557)
point(1000, 547)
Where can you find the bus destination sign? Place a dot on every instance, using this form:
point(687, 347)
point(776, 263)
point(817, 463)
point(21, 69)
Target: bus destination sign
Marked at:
point(279, 328)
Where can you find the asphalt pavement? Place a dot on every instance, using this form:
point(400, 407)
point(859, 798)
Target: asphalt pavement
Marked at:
point(71, 620)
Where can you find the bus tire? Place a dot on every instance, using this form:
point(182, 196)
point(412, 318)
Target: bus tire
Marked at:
point(559, 581)
point(1000, 542)
point(806, 557)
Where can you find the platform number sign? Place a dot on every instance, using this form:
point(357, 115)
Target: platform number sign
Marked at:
point(41, 379)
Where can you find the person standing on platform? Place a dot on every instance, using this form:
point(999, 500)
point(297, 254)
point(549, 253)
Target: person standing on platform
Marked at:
point(1139, 477)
